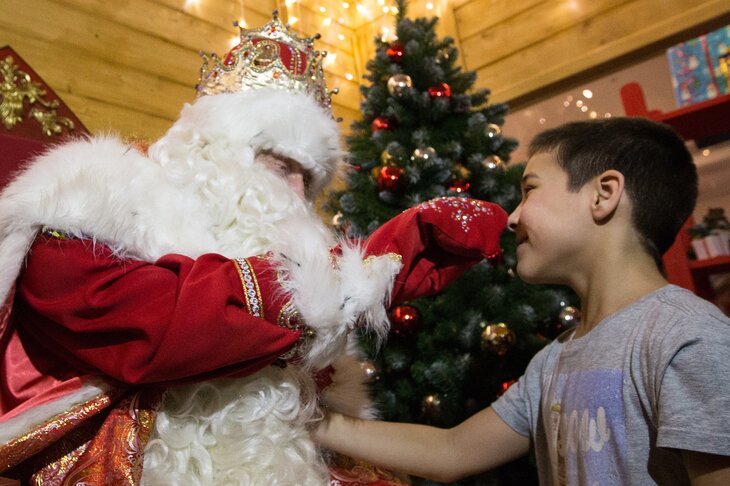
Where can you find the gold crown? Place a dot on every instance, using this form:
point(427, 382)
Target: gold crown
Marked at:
point(268, 57)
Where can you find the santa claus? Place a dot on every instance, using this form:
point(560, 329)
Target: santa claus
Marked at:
point(169, 313)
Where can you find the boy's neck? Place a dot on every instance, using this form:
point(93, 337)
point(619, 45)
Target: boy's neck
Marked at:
point(613, 284)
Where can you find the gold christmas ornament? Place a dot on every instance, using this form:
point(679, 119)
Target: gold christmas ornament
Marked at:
point(431, 407)
point(369, 369)
point(271, 56)
point(399, 84)
point(461, 172)
point(493, 130)
point(423, 154)
point(493, 163)
point(387, 157)
point(569, 315)
point(498, 338)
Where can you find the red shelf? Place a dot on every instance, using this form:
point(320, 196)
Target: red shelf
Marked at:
point(717, 264)
point(698, 122)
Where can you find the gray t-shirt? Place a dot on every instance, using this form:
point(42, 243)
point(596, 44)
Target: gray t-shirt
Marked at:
point(612, 407)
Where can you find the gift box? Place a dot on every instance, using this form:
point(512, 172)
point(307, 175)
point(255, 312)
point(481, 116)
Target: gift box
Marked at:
point(698, 67)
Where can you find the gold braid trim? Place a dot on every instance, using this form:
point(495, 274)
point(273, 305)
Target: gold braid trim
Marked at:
point(251, 290)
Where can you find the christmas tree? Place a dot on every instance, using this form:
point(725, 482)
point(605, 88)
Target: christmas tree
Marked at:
point(426, 133)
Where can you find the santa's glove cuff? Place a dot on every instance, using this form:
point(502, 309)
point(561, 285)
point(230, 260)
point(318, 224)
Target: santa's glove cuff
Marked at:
point(438, 241)
point(261, 280)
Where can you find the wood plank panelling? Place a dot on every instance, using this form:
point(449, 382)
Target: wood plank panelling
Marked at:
point(111, 83)
point(555, 48)
point(130, 65)
point(552, 16)
point(479, 15)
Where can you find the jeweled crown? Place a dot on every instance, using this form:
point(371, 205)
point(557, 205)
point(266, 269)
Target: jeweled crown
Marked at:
point(271, 56)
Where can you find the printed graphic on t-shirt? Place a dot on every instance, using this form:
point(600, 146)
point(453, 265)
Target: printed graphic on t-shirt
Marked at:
point(586, 432)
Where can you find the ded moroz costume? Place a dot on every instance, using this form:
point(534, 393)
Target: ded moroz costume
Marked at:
point(169, 313)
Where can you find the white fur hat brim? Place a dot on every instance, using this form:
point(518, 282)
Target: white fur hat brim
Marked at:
point(234, 124)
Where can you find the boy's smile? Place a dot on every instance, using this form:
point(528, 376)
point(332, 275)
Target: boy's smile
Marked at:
point(548, 222)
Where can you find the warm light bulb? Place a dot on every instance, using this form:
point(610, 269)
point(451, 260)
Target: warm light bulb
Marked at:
point(394, 10)
point(593, 114)
point(583, 108)
point(381, 2)
point(579, 103)
point(706, 152)
point(345, 5)
point(293, 20)
point(429, 6)
point(234, 41)
point(330, 59)
point(386, 9)
point(323, 9)
point(349, 76)
point(327, 20)
point(587, 94)
point(341, 37)
point(289, 3)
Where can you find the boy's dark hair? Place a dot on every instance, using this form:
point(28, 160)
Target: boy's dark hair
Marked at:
point(660, 175)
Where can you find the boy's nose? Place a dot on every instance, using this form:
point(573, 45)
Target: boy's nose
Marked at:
point(514, 217)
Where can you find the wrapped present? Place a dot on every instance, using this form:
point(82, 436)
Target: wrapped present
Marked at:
point(699, 66)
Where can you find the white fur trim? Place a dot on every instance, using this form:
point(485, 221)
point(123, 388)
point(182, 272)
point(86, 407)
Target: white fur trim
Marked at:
point(200, 190)
point(27, 421)
point(225, 126)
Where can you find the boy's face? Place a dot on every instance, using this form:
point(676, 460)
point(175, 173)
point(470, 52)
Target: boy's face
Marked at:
point(550, 223)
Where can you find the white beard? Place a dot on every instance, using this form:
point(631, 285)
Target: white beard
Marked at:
point(230, 431)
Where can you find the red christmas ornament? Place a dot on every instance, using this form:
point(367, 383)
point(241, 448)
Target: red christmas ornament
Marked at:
point(459, 186)
point(505, 386)
point(390, 178)
point(405, 320)
point(395, 51)
point(442, 90)
point(380, 123)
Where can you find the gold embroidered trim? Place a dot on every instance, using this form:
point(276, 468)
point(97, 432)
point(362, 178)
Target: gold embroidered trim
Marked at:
point(251, 290)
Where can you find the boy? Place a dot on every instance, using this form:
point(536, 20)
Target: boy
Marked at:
point(639, 393)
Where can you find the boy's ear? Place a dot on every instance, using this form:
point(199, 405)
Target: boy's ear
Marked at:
point(608, 190)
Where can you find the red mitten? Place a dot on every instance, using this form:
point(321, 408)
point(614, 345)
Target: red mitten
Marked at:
point(439, 240)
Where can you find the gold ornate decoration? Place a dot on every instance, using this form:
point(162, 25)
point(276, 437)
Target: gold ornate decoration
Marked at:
point(15, 87)
point(271, 56)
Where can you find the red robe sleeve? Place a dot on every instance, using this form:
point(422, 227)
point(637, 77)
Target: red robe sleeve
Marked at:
point(178, 319)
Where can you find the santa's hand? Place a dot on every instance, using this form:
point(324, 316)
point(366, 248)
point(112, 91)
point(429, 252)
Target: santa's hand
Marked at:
point(331, 292)
point(438, 241)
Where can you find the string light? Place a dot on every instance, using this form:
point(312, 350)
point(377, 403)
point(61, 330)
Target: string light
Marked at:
point(349, 76)
point(587, 94)
point(327, 20)
point(323, 9)
point(429, 6)
point(345, 5)
point(341, 37)
point(330, 59)
point(292, 20)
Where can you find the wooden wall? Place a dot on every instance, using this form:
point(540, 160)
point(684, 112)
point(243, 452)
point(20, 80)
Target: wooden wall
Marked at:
point(129, 65)
point(525, 49)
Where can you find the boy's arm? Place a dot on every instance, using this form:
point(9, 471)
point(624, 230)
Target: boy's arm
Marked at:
point(480, 443)
point(707, 469)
